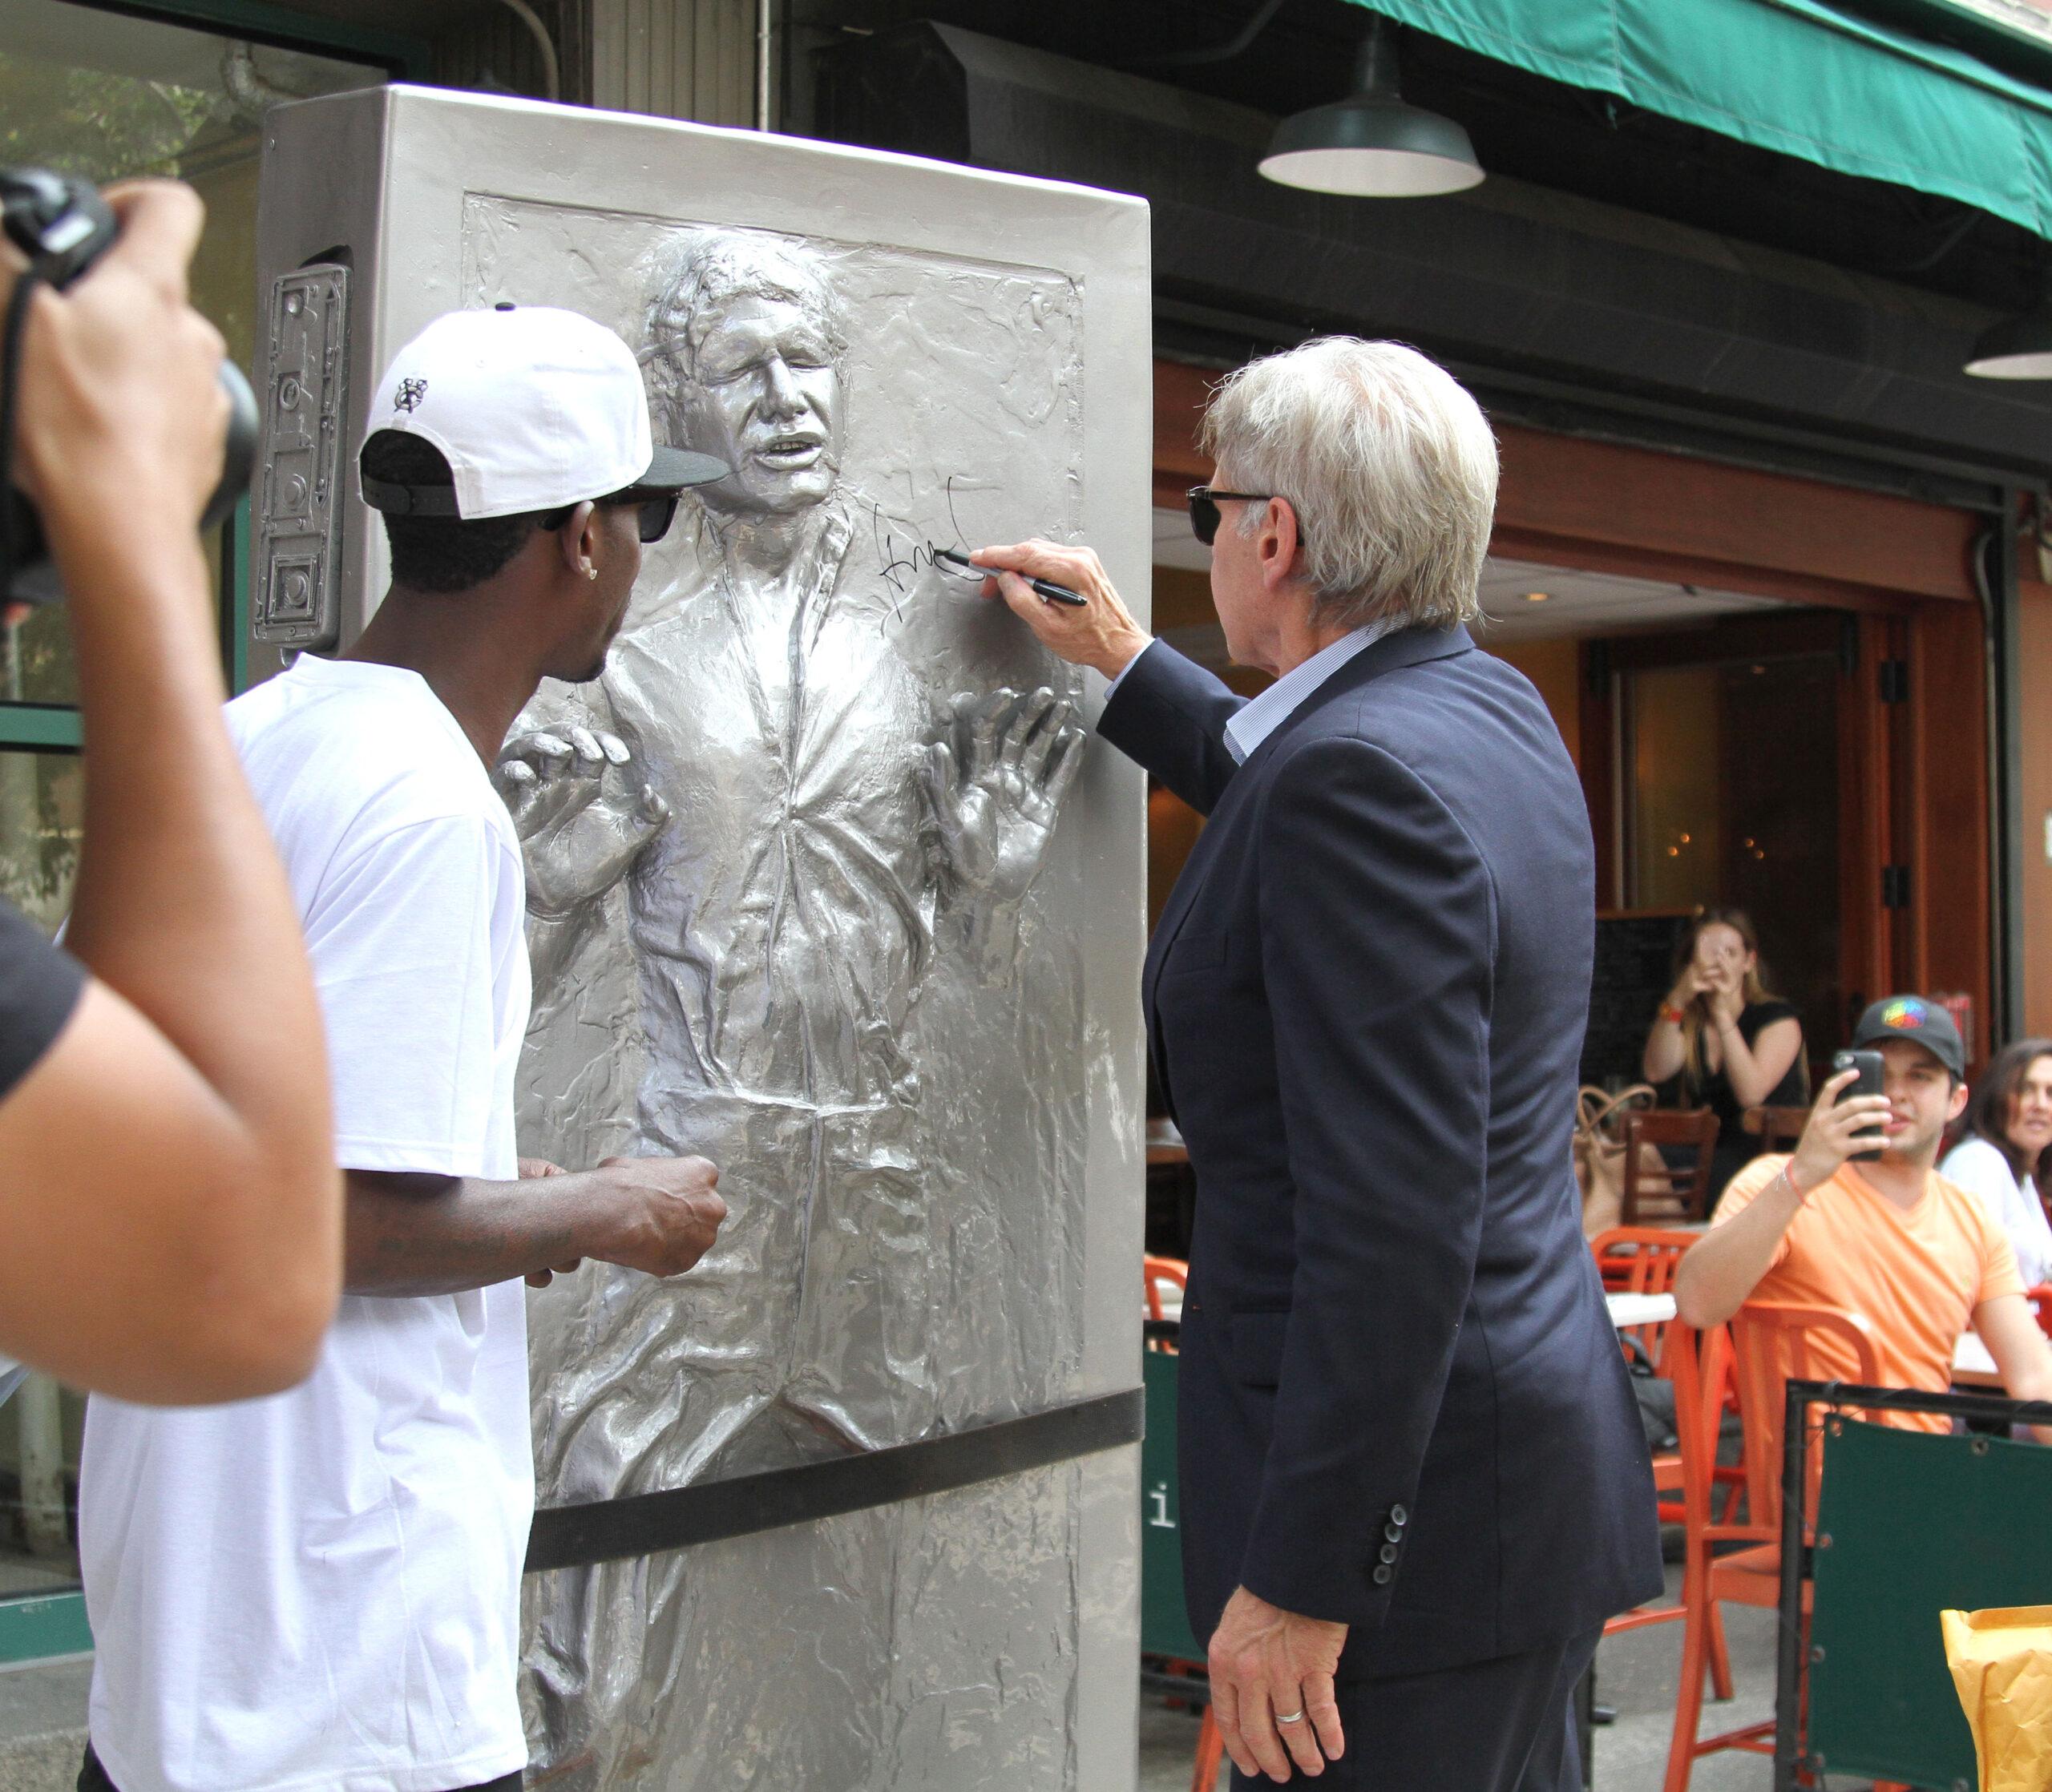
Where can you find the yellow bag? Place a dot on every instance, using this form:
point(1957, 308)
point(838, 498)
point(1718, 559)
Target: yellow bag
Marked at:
point(2001, 1663)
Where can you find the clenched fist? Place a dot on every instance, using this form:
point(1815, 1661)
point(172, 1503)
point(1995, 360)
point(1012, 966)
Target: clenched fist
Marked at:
point(666, 1212)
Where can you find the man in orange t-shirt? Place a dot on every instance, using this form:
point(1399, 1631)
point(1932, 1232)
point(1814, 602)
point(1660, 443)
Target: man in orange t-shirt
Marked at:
point(1915, 1255)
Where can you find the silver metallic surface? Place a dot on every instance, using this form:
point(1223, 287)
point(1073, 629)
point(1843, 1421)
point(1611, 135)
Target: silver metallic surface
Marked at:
point(300, 494)
point(828, 885)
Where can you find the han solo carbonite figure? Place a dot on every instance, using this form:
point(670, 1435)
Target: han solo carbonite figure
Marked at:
point(800, 829)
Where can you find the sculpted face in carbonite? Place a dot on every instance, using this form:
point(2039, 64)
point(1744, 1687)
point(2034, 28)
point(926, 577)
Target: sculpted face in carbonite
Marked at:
point(792, 827)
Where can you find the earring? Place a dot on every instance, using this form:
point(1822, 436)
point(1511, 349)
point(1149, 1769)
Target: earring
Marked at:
point(591, 572)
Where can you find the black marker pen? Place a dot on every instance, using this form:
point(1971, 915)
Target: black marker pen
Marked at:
point(1048, 591)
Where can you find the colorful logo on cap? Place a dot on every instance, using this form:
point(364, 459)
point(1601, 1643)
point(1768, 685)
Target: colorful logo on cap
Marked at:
point(411, 391)
point(1907, 1015)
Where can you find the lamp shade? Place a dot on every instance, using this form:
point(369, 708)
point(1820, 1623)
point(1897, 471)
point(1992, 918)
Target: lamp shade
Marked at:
point(2016, 348)
point(1371, 144)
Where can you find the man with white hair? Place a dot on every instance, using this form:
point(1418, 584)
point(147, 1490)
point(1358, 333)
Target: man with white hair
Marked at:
point(1413, 1482)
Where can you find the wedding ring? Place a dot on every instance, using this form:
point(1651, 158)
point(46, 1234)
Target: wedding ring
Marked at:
point(1296, 1716)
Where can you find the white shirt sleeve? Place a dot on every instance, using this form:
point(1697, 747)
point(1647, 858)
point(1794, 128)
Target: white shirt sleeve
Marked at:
point(400, 938)
point(1127, 668)
point(1976, 1165)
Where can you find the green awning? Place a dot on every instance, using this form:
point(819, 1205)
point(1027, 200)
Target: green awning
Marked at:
point(1797, 76)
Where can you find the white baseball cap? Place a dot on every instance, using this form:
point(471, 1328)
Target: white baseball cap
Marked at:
point(533, 408)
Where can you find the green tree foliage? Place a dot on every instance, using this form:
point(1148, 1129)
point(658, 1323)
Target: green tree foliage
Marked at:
point(80, 121)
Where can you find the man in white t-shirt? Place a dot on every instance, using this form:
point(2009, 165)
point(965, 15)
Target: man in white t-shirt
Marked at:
point(321, 1589)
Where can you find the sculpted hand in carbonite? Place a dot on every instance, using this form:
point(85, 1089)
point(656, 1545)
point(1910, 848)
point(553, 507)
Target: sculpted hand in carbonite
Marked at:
point(804, 826)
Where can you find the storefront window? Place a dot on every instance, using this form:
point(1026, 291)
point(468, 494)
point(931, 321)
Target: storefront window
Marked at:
point(1732, 801)
point(35, 660)
point(1677, 838)
point(42, 810)
point(104, 97)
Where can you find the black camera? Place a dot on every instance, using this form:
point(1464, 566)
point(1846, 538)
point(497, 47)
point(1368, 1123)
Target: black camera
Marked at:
point(63, 226)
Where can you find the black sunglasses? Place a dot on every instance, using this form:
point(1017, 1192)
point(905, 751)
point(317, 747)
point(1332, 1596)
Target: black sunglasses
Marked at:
point(1203, 501)
point(657, 511)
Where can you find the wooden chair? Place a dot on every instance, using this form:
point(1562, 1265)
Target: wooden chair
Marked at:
point(1654, 1189)
point(1767, 1343)
point(1776, 1128)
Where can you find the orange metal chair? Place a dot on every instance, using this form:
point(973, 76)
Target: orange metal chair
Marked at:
point(1768, 1343)
point(1680, 1364)
point(1665, 1193)
point(1642, 1260)
point(1210, 1751)
point(1159, 1273)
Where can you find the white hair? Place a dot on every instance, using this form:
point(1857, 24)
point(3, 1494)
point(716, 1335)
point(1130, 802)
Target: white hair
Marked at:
point(1388, 463)
point(726, 265)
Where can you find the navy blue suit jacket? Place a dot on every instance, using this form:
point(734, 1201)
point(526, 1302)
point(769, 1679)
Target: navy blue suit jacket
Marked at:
point(1403, 1405)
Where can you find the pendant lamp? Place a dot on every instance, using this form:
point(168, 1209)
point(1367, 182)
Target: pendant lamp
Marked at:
point(2015, 347)
point(1371, 144)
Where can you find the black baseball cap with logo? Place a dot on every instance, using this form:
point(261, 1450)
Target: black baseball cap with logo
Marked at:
point(1914, 1021)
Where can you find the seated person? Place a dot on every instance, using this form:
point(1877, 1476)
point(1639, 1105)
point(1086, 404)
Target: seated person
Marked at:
point(2001, 1155)
point(1916, 1256)
point(1730, 1041)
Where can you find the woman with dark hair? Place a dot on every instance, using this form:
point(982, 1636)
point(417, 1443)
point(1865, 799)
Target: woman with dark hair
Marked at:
point(1731, 1044)
point(2002, 1154)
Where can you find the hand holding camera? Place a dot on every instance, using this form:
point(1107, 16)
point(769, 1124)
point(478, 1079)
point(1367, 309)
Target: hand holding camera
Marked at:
point(119, 396)
point(171, 1224)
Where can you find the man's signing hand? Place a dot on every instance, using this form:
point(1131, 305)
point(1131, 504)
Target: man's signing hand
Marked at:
point(1102, 633)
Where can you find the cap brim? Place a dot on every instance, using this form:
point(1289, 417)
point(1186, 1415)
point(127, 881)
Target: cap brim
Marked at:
point(1867, 1036)
point(673, 469)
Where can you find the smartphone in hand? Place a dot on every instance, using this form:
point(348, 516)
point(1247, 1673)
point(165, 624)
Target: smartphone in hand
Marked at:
point(1867, 1082)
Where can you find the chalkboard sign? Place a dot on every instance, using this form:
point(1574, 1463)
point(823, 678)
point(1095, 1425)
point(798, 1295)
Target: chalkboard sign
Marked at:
point(1635, 969)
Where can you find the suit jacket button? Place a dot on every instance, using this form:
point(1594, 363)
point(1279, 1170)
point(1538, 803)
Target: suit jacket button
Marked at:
point(1394, 1531)
point(1383, 1574)
point(1399, 1516)
point(1387, 1553)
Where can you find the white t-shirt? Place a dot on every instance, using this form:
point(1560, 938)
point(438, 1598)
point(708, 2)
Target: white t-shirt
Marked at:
point(321, 1588)
point(2012, 1204)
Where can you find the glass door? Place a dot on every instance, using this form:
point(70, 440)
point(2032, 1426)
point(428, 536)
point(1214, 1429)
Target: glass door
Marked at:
point(1734, 794)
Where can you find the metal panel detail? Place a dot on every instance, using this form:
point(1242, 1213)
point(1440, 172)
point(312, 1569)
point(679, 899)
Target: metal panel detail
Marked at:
point(297, 547)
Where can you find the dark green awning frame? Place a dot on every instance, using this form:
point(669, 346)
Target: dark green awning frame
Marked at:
point(1830, 84)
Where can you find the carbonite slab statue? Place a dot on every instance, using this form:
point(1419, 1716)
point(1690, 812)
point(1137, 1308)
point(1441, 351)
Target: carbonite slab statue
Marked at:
point(806, 809)
point(827, 883)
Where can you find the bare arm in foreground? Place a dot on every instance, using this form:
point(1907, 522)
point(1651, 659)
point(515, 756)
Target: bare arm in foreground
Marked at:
point(170, 1211)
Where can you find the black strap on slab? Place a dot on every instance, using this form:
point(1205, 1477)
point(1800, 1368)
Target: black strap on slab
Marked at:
point(647, 1524)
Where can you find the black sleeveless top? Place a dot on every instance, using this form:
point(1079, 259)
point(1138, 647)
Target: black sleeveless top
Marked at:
point(1712, 1089)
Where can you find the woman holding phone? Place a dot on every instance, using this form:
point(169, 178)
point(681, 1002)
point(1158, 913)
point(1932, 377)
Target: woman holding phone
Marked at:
point(1731, 1044)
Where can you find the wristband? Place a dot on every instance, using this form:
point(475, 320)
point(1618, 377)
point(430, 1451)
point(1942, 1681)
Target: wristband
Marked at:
point(1670, 1014)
